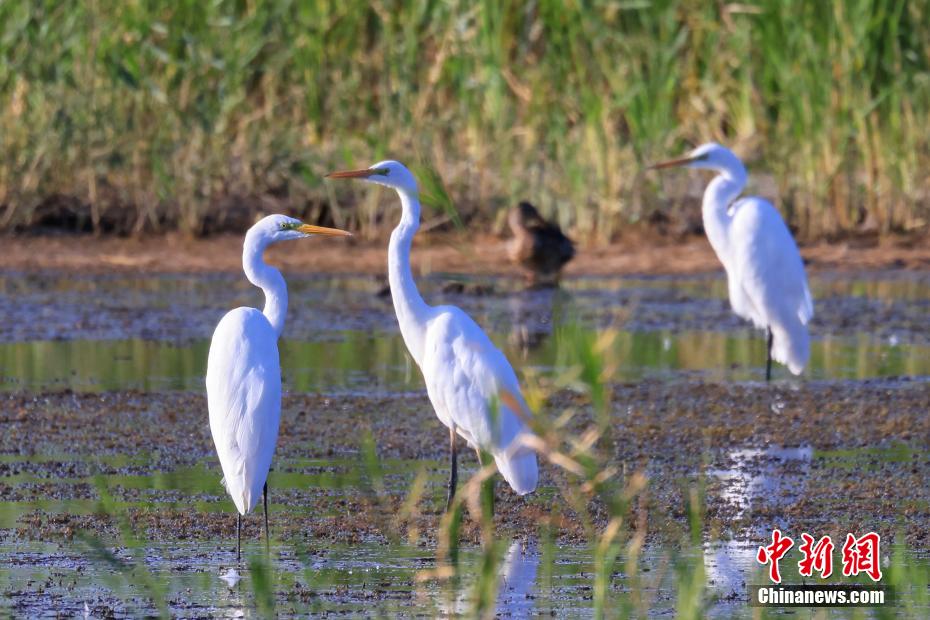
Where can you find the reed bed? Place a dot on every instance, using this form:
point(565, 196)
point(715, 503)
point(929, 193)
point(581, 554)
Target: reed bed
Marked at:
point(194, 116)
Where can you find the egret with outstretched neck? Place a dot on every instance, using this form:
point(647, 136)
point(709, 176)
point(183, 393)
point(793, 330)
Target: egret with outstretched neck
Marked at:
point(244, 372)
point(470, 383)
point(765, 274)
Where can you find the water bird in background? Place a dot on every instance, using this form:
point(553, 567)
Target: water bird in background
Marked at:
point(765, 274)
point(470, 383)
point(244, 372)
point(539, 247)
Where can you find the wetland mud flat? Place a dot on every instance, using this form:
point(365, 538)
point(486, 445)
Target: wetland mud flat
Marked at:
point(763, 455)
point(110, 492)
point(153, 452)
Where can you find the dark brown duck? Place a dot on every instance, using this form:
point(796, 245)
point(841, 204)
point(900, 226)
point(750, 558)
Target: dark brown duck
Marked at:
point(539, 247)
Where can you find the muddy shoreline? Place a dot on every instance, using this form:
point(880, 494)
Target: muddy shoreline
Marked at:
point(460, 253)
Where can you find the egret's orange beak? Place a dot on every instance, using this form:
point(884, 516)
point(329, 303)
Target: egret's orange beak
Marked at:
point(672, 163)
point(352, 174)
point(310, 229)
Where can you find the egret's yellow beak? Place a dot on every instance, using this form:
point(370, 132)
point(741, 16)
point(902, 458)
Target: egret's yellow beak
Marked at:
point(310, 229)
point(672, 163)
point(352, 174)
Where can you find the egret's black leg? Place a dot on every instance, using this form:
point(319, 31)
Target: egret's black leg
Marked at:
point(267, 536)
point(238, 537)
point(768, 358)
point(454, 466)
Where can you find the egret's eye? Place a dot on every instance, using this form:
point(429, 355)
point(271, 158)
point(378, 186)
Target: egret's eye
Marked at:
point(289, 226)
point(382, 171)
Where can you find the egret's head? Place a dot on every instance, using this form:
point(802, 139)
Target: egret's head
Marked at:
point(389, 173)
point(278, 227)
point(710, 156)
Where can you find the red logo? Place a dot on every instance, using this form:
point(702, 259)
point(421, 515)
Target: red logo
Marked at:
point(861, 555)
point(817, 557)
point(773, 553)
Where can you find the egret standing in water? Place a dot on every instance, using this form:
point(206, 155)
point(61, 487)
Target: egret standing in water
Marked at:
point(244, 372)
point(765, 274)
point(470, 383)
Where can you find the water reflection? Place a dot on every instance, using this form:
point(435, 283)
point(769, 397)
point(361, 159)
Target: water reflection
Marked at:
point(770, 475)
point(231, 578)
point(187, 307)
point(533, 313)
point(773, 476)
point(360, 580)
point(361, 361)
point(518, 579)
point(516, 584)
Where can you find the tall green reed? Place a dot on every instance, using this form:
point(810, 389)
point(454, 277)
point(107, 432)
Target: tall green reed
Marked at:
point(170, 115)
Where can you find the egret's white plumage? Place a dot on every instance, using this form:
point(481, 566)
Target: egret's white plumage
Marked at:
point(244, 398)
point(765, 274)
point(243, 369)
point(470, 383)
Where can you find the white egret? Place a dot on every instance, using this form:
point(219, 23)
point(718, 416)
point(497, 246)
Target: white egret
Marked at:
point(765, 274)
point(244, 372)
point(470, 383)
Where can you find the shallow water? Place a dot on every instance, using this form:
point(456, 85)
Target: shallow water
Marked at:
point(152, 333)
point(888, 306)
point(344, 580)
point(354, 361)
point(96, 334)
point(384, 580)
point(535, 576)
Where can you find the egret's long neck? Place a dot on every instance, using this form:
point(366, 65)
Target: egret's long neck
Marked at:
point(719, 195)
point(266, 278)
point(412, 312)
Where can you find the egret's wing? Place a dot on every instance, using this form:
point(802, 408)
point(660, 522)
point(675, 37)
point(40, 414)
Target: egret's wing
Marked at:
point(244, 399)
point(474, 387)
point(768, 262)
point(740, 302)
point(768, 267)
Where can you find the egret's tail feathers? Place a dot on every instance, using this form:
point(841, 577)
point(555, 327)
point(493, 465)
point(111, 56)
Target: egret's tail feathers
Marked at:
point(791, 347)
point(241, 497)
point(519, 469)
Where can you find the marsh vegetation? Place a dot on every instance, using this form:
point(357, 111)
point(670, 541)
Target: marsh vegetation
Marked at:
point(197, 115)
